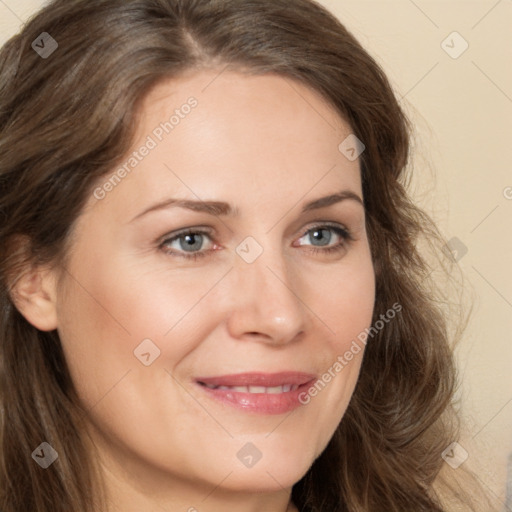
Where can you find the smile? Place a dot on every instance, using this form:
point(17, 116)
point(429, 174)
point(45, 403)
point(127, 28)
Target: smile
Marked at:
point(259, 393)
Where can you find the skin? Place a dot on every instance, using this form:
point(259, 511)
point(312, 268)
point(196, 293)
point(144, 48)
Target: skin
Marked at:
point(265, 145)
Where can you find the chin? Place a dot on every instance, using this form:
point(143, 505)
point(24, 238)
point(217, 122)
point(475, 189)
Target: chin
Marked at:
point(271, 475)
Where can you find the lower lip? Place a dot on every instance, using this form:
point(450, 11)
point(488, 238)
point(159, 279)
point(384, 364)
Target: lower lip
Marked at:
point(260, 403)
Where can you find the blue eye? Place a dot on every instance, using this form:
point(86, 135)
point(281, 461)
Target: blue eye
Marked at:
point(189, 244)
point(323, 235)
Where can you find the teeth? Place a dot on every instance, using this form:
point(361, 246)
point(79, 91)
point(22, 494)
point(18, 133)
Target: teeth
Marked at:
point(274, 390)
point(257, 389)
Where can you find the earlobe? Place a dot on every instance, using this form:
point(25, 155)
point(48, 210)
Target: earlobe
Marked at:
point(34, 295)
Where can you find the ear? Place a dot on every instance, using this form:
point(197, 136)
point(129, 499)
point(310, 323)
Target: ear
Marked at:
point(34, 294)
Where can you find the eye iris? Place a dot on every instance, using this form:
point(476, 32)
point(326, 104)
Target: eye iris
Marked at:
point(318, 236)
point(192, 242)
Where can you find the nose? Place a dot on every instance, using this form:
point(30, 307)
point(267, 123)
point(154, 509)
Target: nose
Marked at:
point(265, 301)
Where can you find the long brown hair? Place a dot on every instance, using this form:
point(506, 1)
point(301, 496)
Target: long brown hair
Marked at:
point(68, 118)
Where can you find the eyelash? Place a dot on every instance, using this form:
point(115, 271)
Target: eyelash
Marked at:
point(344, 234)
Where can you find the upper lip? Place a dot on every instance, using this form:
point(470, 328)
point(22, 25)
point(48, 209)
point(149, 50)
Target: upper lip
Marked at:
point(259, 379)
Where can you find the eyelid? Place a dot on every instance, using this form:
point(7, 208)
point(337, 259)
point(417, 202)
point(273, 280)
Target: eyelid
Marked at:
point(204, 230)
point(333, 225)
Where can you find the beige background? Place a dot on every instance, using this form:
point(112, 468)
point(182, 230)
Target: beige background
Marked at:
point(462, 110)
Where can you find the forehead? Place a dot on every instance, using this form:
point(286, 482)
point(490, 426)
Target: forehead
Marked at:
point(252, 109)
point(214, 133)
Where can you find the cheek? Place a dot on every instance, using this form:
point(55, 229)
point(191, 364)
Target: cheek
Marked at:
point(105, 314)
point(348, 302)
point(346, 308)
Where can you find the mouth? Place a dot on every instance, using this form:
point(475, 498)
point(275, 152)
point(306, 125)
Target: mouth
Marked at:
point(261, 393)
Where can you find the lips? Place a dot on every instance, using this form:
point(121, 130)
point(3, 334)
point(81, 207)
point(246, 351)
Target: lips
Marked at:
point(263, 393)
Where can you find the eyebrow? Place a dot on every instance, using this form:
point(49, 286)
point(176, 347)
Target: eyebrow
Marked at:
point(220, 208)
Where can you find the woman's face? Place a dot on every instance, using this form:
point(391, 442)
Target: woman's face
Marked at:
point(193, 354)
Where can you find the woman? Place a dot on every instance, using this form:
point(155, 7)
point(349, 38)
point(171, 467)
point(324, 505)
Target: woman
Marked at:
point(172, 337)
